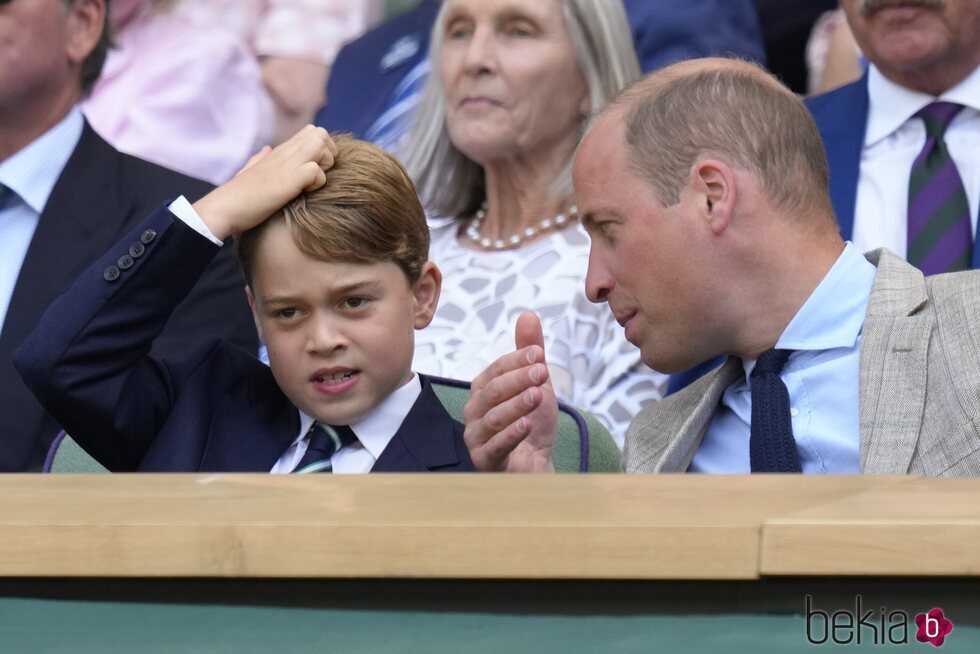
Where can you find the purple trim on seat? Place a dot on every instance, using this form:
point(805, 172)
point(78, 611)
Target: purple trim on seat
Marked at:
point(583, 435)
point(52, 450)
point(583, 427)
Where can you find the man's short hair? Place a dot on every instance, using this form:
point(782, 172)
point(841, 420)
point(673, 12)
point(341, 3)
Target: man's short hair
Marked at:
point(368, 211)
point(733, 110)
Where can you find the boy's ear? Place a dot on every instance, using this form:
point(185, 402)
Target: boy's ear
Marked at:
point(426, 291)
point(255, 312)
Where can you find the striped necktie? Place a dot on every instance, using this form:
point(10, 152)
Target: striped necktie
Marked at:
point(324, 441)
point(772, 447)
point(939, 235)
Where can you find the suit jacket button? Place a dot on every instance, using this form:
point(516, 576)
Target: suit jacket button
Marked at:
point(111, 274)
point(136, 250)
point(125, 262)
point(148, 236)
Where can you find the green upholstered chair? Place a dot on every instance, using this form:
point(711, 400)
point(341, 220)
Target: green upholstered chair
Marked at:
point(583, 443)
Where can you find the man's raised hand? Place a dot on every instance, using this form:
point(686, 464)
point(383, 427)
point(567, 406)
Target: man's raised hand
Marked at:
point(512, 415)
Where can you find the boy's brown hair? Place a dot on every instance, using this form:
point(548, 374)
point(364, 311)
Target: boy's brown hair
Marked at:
point(368, 211)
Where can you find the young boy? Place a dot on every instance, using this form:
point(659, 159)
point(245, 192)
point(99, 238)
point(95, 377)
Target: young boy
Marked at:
point(338, 281)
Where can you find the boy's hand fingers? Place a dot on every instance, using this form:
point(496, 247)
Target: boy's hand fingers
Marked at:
point(317, 175)
point(255, 158)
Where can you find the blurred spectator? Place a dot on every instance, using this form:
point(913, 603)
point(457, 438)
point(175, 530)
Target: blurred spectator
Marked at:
point(295, 41)
point(180, 96)
point(66, 195)
point(833, 58)
point(373, 88)
point(903, 142)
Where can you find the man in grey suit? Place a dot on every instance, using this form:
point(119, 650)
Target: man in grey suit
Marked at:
point(704, 190)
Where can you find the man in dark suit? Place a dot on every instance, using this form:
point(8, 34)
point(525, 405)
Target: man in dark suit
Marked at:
point(338, 280)
point(374, 78)
point(66, 195)
point(924, 57)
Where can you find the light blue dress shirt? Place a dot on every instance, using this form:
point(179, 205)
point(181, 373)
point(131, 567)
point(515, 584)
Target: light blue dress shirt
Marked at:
point(822, 377)
point(30, 175)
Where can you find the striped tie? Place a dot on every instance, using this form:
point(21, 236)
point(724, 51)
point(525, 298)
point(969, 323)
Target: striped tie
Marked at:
point(939, 235)
point(324, 441)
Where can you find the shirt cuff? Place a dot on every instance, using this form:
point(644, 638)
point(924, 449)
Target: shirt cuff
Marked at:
point(183, 210)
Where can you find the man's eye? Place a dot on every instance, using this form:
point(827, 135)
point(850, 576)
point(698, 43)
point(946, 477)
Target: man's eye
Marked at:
point(286, 314)
point(355, 302)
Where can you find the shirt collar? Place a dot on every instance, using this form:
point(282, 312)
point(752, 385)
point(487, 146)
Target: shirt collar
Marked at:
point(891, 105)
point(833, 315)
point(33, 171)
point(379, 427)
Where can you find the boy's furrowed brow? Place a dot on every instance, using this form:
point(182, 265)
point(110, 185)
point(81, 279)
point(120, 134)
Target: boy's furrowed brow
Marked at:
point(362, 286)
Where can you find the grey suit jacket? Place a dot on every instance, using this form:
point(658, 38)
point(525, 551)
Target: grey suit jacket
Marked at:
point(919, 381)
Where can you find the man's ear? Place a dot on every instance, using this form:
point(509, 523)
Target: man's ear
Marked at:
point(86, 20)
point(255, 312)
point(713, 186)
point(426, 292)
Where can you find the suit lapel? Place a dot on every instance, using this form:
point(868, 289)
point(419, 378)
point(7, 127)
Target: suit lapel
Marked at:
point(678, 455)
point(665, 436)
point(426, 439)
point(893, 377)
point(842, 117)
point(250, 435)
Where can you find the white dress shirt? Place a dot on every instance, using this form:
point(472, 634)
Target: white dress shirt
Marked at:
point(373, 434)
point(892, 141)
point(821, 375)
point(31, 175)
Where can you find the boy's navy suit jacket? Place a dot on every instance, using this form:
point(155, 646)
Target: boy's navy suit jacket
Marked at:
point(216, 409)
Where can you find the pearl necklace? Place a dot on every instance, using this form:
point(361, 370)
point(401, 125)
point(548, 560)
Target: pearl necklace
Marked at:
point(514, 241)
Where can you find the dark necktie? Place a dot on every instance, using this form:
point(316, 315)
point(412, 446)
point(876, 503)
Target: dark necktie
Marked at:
point(325, 440)
point(5, 195)
point(939, 235)
point(771, 444)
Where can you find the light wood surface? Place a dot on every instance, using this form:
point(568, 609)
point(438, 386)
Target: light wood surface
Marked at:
point(924, 527)
point(415, 526)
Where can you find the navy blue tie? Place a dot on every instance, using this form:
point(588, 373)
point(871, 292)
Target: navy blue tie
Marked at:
point(324, 442)
point(771, 444)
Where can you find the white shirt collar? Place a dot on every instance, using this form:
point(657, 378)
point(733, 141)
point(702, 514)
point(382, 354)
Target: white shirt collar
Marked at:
point(891, 105)
point(33, 171)
point(378, 428)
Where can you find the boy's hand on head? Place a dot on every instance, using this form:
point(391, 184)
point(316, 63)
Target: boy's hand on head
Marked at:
point(269, 180)
point(512, 415)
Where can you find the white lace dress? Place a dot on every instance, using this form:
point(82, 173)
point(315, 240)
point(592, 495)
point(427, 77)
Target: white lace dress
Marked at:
point(592, 365)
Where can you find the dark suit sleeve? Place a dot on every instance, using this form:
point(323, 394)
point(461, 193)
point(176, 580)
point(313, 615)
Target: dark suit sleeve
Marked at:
point(88, 359)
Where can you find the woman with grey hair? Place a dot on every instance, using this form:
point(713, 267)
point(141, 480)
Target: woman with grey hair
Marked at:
point(512, 86)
